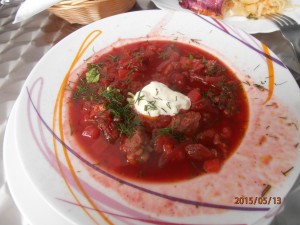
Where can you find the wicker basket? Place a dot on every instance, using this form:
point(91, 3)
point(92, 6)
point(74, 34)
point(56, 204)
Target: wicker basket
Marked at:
point(87, 11)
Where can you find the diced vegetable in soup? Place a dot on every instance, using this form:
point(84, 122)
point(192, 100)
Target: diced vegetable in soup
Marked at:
point(158, 111)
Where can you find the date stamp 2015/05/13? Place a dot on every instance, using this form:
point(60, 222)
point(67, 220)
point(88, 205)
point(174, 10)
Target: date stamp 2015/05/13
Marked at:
point(257, 200)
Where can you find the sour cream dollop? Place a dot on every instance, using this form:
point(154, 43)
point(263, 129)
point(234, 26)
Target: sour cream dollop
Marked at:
point(157, 99)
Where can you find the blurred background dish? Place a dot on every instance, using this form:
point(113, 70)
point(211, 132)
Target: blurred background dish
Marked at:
point(252, 26)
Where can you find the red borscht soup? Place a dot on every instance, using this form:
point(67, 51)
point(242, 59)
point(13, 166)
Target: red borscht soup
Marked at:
point(168, 147)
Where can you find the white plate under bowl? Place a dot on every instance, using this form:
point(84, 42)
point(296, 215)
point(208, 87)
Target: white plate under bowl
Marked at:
point(30, 203)
point(62, 175)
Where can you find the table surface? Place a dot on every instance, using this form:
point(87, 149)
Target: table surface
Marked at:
point(23, 44)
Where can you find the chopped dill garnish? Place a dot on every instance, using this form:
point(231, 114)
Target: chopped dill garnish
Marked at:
point(137, 54)
point(113, 100)
point(132, 70)
point(225, 99)
point(168, 104)
point(256, 67)
point(191, 56)
point(198, 168)
point(197, 41)
point(277, 84)
point(84, 91)
point(113, 95)
point(246, 82)
point(169, 131)
point(114, 58)
point(195, 166)
point(128, 127)
point(263, 82)
point(118, 106)
point(285, 173)
point(259, 87)
point(164, 110)
point(150, 106)
point(266, 190)
point(81, 91)
point(163, 55)
point(139, 98)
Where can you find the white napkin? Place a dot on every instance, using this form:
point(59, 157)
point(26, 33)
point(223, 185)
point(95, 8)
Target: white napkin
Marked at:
point(31, 7)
